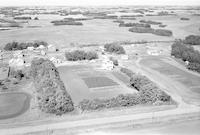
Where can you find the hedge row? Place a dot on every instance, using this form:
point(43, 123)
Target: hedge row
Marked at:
point(127, 71)
point(148, 93)
point(51, 93)
point(160, 32)
point(80, 55)
point(20, 46)
point(114, 48)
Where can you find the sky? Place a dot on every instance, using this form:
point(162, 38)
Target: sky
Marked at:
point(95, 2)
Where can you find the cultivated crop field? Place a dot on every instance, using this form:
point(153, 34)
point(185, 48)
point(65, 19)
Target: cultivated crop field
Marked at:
point(83, 83)
point(163, 66)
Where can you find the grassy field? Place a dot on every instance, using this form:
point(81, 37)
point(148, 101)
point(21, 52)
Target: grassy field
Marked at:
point(87, 83)
point(13, 104)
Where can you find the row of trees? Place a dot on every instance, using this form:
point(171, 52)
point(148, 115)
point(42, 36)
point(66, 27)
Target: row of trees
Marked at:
point(186, 53)
point(122, 24)
point(66, 22)
point(24, 45)
point(51, 93)
point(148, 93)
point(192, 40)
point(160, 32)
point(80, 55)
point(114, 48)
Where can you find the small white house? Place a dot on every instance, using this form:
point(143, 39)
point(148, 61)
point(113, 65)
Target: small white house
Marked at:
point(43, 53)
point(41, 47)
point(55, 61)
point(30, 48)
point(18, 63)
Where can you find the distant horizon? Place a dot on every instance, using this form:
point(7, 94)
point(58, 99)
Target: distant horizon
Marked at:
point(84, 3)
point(101, 6)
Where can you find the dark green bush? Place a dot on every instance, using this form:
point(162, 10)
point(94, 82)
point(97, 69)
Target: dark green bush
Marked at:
point(80, 55)
point(51, 93)
point(114, 48)
point(194, 67)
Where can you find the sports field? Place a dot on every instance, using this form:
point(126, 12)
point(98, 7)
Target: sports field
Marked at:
point(84, 82)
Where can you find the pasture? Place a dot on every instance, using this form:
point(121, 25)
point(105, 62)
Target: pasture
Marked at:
point(85, 82)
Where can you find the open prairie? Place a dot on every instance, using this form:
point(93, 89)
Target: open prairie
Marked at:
point(96, 31)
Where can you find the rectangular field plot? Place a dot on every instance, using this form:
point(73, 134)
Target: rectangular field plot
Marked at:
point(101, 81)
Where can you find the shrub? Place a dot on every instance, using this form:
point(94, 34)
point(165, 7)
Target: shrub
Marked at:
point(18, 74)
point(113, 48)
point(127, 71)
point(194, 67)
point(192, 39)
point(51, 93)
point(80, 55)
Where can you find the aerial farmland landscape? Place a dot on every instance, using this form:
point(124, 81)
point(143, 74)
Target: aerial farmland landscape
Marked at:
point(92, 68)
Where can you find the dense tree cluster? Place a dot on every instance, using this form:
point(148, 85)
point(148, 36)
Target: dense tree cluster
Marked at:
point(184, 18)
point(148, 93)
point(24, 45)
point(192, 40)
point(150, 22)
point(66, 22)
point(51, 93)
point(160, 32)
point(122, 24)
point(114, 48)
point(186, 53)
point(22, 18)
point(80, 55)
